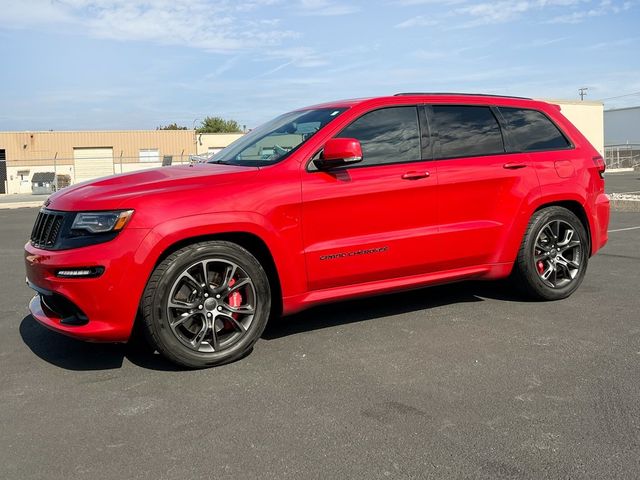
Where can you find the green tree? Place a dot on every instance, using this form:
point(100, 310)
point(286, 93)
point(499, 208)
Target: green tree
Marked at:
point(171, 126)
point(218, 125)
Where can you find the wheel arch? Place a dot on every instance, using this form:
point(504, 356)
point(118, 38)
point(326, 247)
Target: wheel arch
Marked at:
point(574, 207)
point(249, 241)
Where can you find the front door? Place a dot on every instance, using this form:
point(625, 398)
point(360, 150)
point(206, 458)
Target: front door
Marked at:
point(373, 220)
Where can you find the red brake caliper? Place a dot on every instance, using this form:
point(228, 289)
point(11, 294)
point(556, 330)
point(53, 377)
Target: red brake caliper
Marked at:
point(540, 267)
point(235, 299)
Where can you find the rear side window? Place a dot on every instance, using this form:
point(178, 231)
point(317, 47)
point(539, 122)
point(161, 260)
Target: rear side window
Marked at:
point(389, 135)
point(530, 130)
point(466, 131)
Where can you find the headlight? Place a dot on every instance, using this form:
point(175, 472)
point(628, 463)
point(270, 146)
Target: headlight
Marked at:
point(102, 222)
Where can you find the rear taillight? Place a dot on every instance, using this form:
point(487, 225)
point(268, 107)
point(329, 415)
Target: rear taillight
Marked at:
point(599, 161)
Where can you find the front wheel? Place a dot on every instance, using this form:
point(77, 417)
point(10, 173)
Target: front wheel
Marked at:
point(206, 304)
point(553, 258)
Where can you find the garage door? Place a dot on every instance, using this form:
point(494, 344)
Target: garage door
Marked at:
point(92, 163)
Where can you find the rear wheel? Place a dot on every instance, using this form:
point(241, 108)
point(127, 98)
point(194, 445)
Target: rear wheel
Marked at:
point(553, 258)
point(206, 304)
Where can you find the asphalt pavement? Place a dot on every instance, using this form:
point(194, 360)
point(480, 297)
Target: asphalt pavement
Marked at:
point(459, 381)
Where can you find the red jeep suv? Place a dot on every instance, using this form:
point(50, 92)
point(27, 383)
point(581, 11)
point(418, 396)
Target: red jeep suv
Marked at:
point(329, 202)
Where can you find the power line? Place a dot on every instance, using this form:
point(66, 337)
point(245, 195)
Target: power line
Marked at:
point(620, 96)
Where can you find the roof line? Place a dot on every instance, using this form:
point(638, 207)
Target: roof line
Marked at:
point(459, 94)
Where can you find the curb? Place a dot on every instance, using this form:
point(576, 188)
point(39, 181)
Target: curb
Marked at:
point(625, 205)
point(624, 202)
point(12, 205)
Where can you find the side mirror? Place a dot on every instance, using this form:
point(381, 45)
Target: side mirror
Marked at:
point(338, 152)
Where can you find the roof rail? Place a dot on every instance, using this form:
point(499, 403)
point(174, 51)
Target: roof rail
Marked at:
point(460, 94)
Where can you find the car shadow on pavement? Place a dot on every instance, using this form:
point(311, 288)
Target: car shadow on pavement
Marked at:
point(77, 355)
point(352, 311)
point(72, 354)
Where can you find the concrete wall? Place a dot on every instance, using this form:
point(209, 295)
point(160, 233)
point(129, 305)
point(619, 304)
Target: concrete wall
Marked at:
point(622, 126)
point(215, 140)
point(588, 117)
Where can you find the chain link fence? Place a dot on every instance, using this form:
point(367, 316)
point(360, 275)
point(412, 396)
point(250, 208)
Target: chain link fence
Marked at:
point(47, 175)
point(622, 156)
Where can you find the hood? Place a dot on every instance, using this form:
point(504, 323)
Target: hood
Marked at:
point(128, 189)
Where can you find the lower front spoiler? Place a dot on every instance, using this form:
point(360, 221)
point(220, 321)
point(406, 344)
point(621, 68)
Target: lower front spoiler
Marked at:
point(92, 331)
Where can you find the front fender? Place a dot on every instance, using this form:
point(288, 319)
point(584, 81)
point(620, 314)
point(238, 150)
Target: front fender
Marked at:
point(284, 244)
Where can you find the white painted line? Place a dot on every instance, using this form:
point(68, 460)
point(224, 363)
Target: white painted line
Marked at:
point(623, 229)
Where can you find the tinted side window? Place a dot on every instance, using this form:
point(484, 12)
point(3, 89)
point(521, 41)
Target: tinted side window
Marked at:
point(530, 130)
point(465, 131)
point(390, 135)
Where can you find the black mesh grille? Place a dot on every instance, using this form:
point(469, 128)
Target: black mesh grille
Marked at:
point(46, 229)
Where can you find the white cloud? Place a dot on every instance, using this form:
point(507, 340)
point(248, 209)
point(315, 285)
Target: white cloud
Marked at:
point(325, 8)
point(419, 21)
point(471, 14)
point(220, 26)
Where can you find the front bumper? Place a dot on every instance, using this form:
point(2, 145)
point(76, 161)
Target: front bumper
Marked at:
point(101, 309)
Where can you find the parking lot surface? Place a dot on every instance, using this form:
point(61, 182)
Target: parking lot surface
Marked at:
point(459, 381)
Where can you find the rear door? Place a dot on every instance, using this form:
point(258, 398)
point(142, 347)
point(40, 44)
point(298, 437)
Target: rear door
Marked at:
point(377, 219)
point(481, 188)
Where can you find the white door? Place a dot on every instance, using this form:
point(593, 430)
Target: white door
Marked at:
point(92, 163)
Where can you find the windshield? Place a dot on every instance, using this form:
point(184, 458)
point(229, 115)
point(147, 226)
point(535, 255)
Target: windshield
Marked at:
point(274, 140)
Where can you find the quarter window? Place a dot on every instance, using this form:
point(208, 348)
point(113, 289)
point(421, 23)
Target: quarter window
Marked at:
point(389, 135)
point(530, 130)
point(466, 131)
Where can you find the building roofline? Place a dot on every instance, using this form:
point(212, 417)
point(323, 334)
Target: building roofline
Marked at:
point(637, 107)
point(30, 132)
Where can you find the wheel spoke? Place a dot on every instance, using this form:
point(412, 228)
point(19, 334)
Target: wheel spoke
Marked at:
point(568, 263)
point(238, 325)
point(239, 284)
point(182, 318)
point(186, 275)
point(568, 235)
point(229, 273)
point(569, 245)
point(555, 231)
point(181, 305)
point(205, 278)
point(198, 339)
point(242, 309)
point(549, 270)
point(215, 344)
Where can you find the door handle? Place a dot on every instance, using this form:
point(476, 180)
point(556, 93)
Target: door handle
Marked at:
point(514, 165)
point(415, 175)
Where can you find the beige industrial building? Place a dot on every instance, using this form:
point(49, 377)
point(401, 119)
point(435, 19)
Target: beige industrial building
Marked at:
point(77, 156)
point(64, 158)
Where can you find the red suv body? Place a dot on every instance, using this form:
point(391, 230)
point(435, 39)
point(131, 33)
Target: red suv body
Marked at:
point(349, 198)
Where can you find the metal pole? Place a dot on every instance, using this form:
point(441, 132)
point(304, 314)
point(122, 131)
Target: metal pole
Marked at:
point(55, 171)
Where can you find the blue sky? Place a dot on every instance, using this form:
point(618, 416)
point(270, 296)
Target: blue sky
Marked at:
point(137, 64)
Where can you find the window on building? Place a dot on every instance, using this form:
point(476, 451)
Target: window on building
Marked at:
point(466, 131)
point(389, 135)
point(149, 155)
point(531, 130)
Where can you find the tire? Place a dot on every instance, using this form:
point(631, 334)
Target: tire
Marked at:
point(544, 249)
point(196, 323)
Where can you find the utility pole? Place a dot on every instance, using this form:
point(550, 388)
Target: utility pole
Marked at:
point(583, 92)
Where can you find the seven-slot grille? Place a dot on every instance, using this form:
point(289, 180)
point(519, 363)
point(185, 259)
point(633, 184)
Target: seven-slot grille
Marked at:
point(46, 229)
